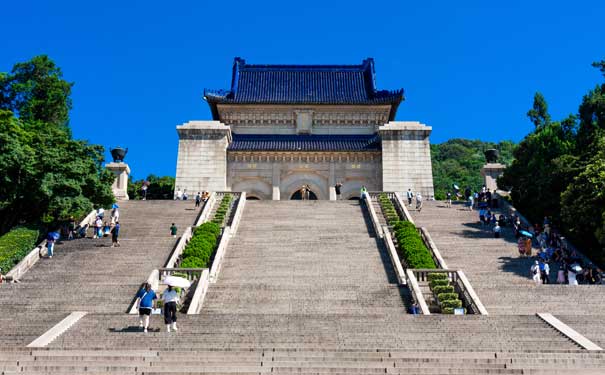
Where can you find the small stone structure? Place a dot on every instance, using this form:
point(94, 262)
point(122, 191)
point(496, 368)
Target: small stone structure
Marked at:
point(492, 169)
point(120, 184)
point(281, 127)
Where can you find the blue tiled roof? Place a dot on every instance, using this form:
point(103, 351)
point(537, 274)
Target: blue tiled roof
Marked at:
point(303, 84)
point(278, 142)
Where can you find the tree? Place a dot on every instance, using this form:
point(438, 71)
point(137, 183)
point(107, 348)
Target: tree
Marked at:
point(539, 113)
point(36, 91)
point(157, 187)
point(46, 176)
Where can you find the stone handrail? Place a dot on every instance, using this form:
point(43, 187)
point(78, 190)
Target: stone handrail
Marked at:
point(195, 306)
point(416, 292)
point(462, 286)
point(238, 213)
point(374, 217)
point(37, 252)
point(402, 208)
point(428, 241)
point(220, 253)
point(388, 241)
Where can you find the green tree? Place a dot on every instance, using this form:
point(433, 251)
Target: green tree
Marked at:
point(158, 187)
point(46, 176)
point(539, 113)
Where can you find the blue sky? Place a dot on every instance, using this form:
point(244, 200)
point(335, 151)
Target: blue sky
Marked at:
point(469, 68)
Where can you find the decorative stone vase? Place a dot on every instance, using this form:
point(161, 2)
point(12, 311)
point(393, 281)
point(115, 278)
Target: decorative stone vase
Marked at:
point(491, 155)
point(118, 154)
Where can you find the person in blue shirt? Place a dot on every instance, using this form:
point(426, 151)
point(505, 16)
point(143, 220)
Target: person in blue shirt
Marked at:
point(146, 297)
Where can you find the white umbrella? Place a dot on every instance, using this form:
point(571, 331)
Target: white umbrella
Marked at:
point(175, 281)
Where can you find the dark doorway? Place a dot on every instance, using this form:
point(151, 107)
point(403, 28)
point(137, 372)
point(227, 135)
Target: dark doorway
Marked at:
point(354, 198)
point(298, 195)
point(252, 198)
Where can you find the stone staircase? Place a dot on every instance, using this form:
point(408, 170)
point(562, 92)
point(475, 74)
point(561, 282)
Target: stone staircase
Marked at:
point(499, 276)
point(89, 275)
point(305, 288)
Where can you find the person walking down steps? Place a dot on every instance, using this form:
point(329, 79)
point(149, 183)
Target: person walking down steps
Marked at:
point(170, 298)
point(173, 230)
point(115, 232)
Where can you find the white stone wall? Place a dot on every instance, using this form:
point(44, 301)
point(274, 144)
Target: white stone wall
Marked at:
point(406, 157)
point(202, 156)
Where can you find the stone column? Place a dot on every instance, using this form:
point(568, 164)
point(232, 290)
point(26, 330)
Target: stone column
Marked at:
point(275, 181)
point(332, 182)
point(120, 184)
point(406, 158)
point(202, 158)
point(490, 173)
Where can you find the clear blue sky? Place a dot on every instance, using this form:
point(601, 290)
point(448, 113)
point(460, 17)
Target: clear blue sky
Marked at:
point(469, 68)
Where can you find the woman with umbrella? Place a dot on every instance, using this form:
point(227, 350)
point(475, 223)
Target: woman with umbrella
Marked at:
point(170, 297)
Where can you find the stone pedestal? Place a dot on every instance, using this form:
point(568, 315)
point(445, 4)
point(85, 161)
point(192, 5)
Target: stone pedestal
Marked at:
point(490, 173)
point(120, 184)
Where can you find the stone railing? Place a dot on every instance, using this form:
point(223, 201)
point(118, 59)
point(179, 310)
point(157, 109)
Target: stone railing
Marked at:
point(428, 242)
point(461, 285)
point(374, 217)
point(38, 252)
point(417, 295)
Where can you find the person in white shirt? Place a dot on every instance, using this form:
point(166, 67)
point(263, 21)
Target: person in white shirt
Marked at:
point(170, 297)
point(535, 272)
point(497, 230)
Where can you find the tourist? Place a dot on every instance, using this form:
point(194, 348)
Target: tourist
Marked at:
point(170, 298)
point(482, 213)
point(101, 213)
point(534, 271)
point(198, 199)
point(98, 228)
point(106, 229)
point(303, 193)
point(488, 198)
point(527, 242)
point(338, 188)
point(497, 230)
point(146, 302)
point(178, 195)
point(115, 232)
point(205, 196)
point(561, 275)
point(144, 191)
point(363, 192)
point(185, 195)
point(571, 277)
point(470, 203)
point(448, 199)
point(50, 245)
point(173, 230)
point(410, 195)
point(544, 272)
point(71, 229)
point(418, 201)
point(115, 213)
point(307, 192)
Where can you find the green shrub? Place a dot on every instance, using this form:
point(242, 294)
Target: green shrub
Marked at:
point(437, 276)
point(198, 248)
point(446, 296)
point(447, 310)
point(443, 289)
point(15, 245)
point(209, 227)
point(453, 303)
point(435, 283)
point(192, 262)
point(411, 247)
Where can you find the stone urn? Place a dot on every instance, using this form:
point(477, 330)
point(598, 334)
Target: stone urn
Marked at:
point(118, 154)
point(491, 155)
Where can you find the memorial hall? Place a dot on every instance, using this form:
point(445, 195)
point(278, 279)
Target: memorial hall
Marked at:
point(281, 127)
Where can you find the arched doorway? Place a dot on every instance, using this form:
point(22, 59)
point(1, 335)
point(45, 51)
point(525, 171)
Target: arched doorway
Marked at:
point(298, 195)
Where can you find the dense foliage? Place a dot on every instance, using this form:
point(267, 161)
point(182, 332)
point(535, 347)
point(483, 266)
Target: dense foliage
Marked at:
point(45, 175)
point(459, 161)
point(158, 187)
point(16, 244)
point(201, 246)
point(223, 208)
point(559, 171)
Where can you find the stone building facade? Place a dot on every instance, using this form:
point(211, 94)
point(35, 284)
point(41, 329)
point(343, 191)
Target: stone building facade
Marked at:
point(280, 127)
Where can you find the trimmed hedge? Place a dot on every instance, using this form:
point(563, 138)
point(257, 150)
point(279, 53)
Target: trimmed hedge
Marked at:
point(435, 283)
point(437, 276)
point(15, 245)
point(223, 208)
point(411, 247)
point(443, 289)
point(447, 296)
point(451, 303)
point(201, 246)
